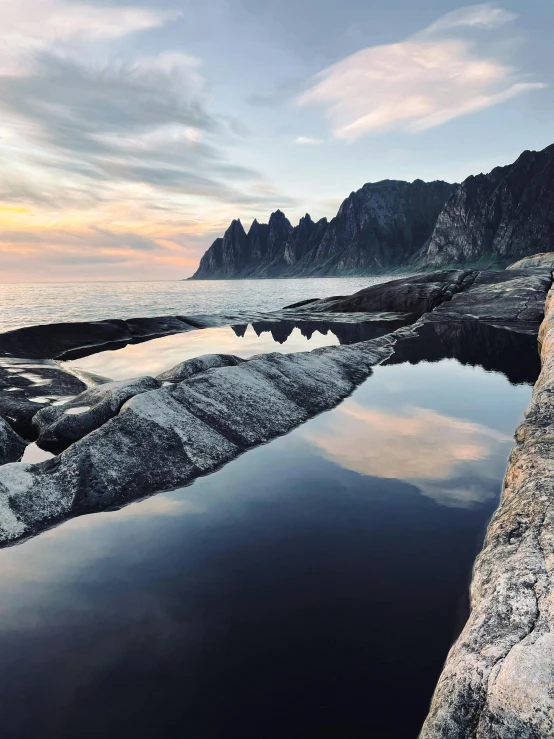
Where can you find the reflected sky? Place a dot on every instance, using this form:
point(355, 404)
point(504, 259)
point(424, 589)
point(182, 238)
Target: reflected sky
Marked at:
point(446, 428)
point(158, 355)
point(310, 587)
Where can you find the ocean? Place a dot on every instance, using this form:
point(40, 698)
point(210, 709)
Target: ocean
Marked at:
point(27, 304)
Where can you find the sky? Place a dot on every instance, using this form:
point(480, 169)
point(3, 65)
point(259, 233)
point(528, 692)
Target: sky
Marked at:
point(133, 131)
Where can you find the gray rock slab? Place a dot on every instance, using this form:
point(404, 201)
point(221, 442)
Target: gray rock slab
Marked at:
point(501, 296)
point(167, 437)
point(62, 425)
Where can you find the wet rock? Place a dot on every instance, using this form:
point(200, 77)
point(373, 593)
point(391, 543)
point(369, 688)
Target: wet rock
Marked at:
point(59, 426)
point(12, 445)
point(28, 385)
point(169, 436)
point(497, 680)
point(64, 340)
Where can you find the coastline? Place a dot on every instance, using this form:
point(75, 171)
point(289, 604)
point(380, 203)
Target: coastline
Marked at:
point(497, 678)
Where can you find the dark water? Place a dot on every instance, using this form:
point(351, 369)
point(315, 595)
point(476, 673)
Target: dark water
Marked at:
point(310, 588)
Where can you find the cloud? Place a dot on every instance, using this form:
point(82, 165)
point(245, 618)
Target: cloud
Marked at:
point(419, 83)
point(485, 16)
point(307, 140)
point(34, 24)
point(109, 154)
point(68, 125)
point(419, 446)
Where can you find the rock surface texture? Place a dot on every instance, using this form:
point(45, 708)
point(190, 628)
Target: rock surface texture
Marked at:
point(503, 296)
point(61, 425)
point(12, 445)
point(382, 225)
point(537, 261)
point(497, 217)
point(498, 681)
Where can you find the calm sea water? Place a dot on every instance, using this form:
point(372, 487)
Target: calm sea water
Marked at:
point(310, 588)
point(25, 304)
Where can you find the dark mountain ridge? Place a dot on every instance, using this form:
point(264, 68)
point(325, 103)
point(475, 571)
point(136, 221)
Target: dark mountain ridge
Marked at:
point(381, 226)
point(489, 220)
point(497, 217)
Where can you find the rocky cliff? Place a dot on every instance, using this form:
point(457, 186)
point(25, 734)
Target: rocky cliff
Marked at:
point(379, 227)
point(497, 217)
point(490, 219)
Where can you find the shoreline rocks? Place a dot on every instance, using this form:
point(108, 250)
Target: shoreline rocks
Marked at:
point(136, 438)
point(498, 678)
point(167, 437)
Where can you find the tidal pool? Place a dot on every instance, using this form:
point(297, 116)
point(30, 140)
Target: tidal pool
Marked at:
point(157, 355)
point(312, 587)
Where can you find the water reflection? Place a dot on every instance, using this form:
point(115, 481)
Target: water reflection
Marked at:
point(453, 451)
point(495, 348)
point(157, 355)
point(308, 588)
point(346, 333)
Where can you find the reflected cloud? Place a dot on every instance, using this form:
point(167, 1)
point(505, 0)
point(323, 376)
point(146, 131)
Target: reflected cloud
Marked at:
point(416, 445)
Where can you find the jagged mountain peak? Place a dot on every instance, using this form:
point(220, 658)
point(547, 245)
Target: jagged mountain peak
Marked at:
point(376, 227)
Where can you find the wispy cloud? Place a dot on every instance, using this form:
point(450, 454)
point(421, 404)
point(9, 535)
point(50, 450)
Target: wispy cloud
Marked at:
point(421, 82)
point(308, 140)
point(34, 24)
point(108, 151)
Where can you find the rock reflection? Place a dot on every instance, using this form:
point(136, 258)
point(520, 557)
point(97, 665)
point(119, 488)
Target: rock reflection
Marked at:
point(495, 348)
point(346, 333)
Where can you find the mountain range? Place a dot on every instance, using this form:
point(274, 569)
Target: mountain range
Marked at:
point(489, 219)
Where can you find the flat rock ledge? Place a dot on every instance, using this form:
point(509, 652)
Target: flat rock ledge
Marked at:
point(498, 680)
point(166, 437)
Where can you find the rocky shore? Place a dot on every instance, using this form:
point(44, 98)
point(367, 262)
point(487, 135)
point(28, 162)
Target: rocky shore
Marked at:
point(117, 442)
point(498, 681)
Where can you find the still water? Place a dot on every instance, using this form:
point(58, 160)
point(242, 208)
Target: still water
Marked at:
point(156, 356)
point(312, 587)
point(26, 304)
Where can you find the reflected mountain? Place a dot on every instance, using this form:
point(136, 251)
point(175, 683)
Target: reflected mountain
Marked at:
point(495, 348)
point(346, 333)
